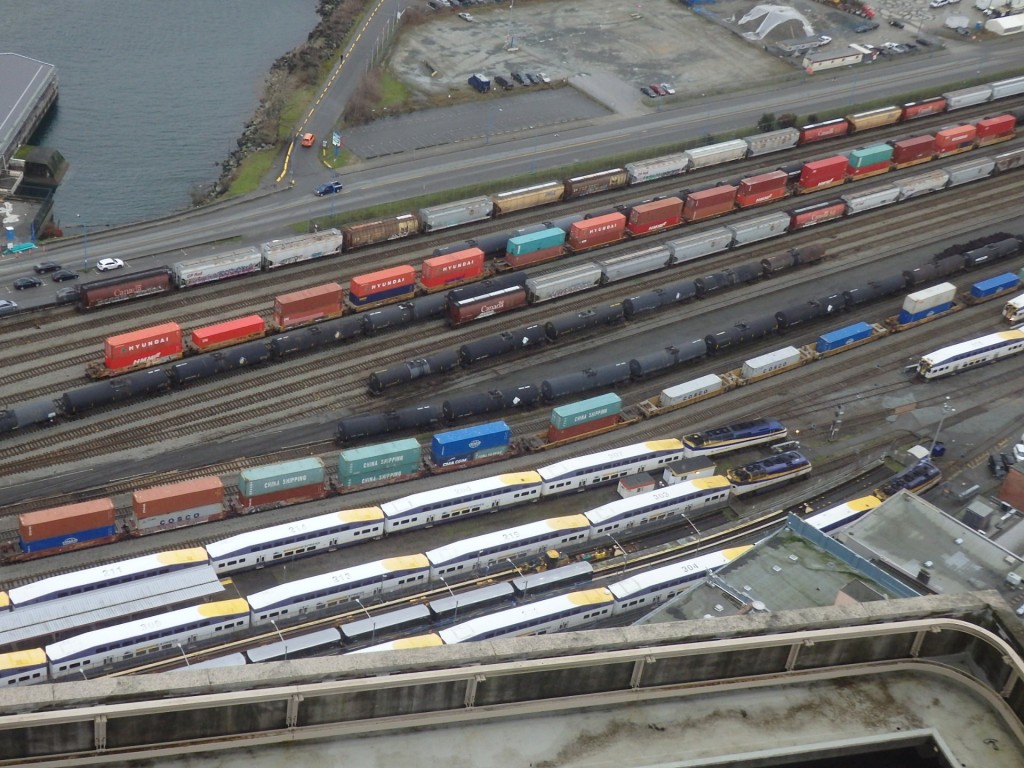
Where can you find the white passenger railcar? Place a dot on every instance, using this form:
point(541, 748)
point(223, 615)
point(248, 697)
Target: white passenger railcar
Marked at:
point(22, 668)
point(430, 640)
point(834, 517)
point(970, 354)
point(440, 505)
point(702, 494)
point(608, 466)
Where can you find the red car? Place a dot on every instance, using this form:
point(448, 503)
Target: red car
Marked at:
point(658, 90)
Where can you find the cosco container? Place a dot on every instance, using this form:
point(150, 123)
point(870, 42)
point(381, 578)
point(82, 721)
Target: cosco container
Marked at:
point(843, 336)
point(231, 332)
point(453, 214)
point(440, 271)
point(292, 250)
point(786, 357)
point(170, 506)
point(219, 266)
point(151, 345)
point(865, 200)
point(758, 228)
point(382, 456)
point(308, 305)
point(582, 411)
point(701, 244)
point(876, 153)
point(287, 481)
point(48, 524)
point(994, 285)
point(479, 437)
point(690, 390)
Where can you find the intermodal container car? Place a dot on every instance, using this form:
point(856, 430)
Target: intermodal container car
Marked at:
point(555, 434)
point(171, 506)
point(869, 156)
point(761, 189)
point(66, 526)
point(822, 174)
point(994, 285)
point(385, 285)
point(308, 305)
point(843, 336)
point(650, 217)
point(708, 203)
point(598, 231)
point(584, 411)
point(143, 348)
point(951, 141)
point(908, 152)
point(288, 481)
point(225, 334)
point(113, 290)
point(460, 442)
point(535, 247)
point(440, 272)
point(992, 130)
point(370, 459)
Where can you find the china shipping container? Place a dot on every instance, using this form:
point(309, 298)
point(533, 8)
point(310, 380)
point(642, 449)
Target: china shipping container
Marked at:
point(378, 457)
point(651, 217)
point(299, 248)
point(308, 305)
point(529, 197)
point(485, 305)
point(761, 189)
point(288, 481)
point(598, 231)
point(113, 290)
point(603, 181)
point(453, 214)
point(172, 506)
point(67, 525)
point(150, 346)
point(385, 285)
point(218, 266)
point(709, 203)
point(992, 130)
point(379, 231)
point(908, 152)
point(225, 334)
point(915, 109)
point(585, 411)
point(440, 272)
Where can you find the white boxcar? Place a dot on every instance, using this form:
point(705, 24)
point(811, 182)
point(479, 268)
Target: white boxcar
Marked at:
point(631, 264)
point(658, 168)
point(688, 390)
point(922, 183)
point(292, 250)
point(972, 170)
point(563, 282)
point(759, 228)
point(453, 214)
point(219, 266)
point(1012, 87)
point(928, 298)
point(773, 141)
point(967, 97)
point(876, 197)
point(700, 244)
point(771, 361)
point(713, 154)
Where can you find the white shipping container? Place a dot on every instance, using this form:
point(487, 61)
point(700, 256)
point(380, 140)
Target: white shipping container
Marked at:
point(688, 390)
point(925, 299)
point(713, 154)
point(1012, 87)
point(858, 202)
point(659, 168)
point(922, 183)
point(292, 250)
point(219, 266)
point(967, 97)
point(698, 245)
point(632, 264)
point(972, 170)
point(563, 282)
point(772, 361)
point(759, 228)
point(773, 141)
point(453, 214)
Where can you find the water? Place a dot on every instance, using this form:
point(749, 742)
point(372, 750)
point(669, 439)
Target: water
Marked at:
point(153, 94)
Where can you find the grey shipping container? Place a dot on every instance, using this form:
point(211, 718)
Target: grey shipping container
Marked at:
point(1012, 87)
point(759, 228)
point(922, 183)
point(453, 214)
point(563, 282)
point(631, 264)
point(773, 141)
point(858, 202)
point(978, 168)
point(700, 244)
point(968, 97)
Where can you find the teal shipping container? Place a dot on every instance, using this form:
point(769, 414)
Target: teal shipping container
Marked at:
point(274, 478)
point(520, 245)
point(382, 456)
point(406, 468)
point(380, 476)
point(877, 153)
point(582, 411)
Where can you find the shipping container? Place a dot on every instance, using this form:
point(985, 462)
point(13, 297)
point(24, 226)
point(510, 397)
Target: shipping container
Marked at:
point(468, 440)
point(759, 228)
point(598, 231)
point(824, 173)
point(915, 109)
point(299, 248)
point(709, 203)
point(583, 411)
point(486, 304)
point(1013, 86)
point(810, 215)
point(713, 154)
point(950, 141)
point(865, 156)
point(690, 390)
point(546, 244)
point(865, 200)
point(654, 216)
point(970, 170)
point(453, 214)
point(994, 285)
point(632, 264)
point(171, 506)
point(292, 481)
point(908, 152)
point(701, 244)
point(528, 197)
point(771, 362)
point(536, 257)
point(659, 168)
point(379, 457)
point(219, 266)
point(385, 285)
point(929, 298)
point(112, 290)
point(843, 336)
point(967, 97)
point(592, 183)
point(992, 130)
point(308, 305)
point(225, 334)
point(825, 130)
point(922, 183)
point(563, 283)
point(459, 267)
point(761, 189)
point(145, 347)
point(772, 141)
point(379, 231)
point(874, 118)
point(46, 524)
point(380, 476)
point(91, 536)
point(578, 430)
point(866, 171)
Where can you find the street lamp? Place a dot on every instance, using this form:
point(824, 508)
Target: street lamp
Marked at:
point(364, 608)
point(183, 654)
point(85, 242)
point(625, 556)
point(281, 638)
point(947, 409)
point(509, 561)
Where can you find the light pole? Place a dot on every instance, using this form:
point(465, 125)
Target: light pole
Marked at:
point(360, 602)
point(281, 638)
point(183, 654)
point(85, 242)
point(509, 561)
point(625, 556)
point(947, 409)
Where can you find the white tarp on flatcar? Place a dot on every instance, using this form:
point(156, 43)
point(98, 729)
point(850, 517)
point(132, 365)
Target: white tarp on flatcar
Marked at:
point(658, 168)
point(759, 228)
point(979, 168)
point(929, 298)
point(857, 202)
point(700, 244)
point(922, 183)
point(713, 154)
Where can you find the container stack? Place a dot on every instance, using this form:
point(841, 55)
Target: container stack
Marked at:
point(995, 129)
point(820, 174)
point(584, 416)
point(869, 161)
point(230, 332)
point(650, 217)
point(289, 481)
point(708, 203)
point(908, 152)
point(927, 302)
point(66, 526)
point(481, 441)
point(597, 231)
point(171, 506)
point(379, 463)
point(148, 345)
point(950, 141)
point(535, 247)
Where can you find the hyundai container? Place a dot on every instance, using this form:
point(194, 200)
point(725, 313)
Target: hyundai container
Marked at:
point(385, 285)
point(598, 231)
point(147, 346)
point(462, 266)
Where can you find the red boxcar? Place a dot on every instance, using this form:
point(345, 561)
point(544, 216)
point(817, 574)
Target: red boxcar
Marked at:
point(69, 519)
point(385, 285)
point(307, 306)
point(459, 267)
point(825, 130)
point(951, 141)
point(536, 257)
point(760, 189)
point(914, 109)
point(995, 129)
point(868, 170)
point(600, 230)
point(709, 203)
point(554, 434)
point(821, 174)
point(494, 303)
point(231, 332)
point(809, 215)
point(908, 152)
point(650, 217)
point(143, 348)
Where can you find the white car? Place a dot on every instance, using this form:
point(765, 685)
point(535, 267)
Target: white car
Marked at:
point(466, 16)
point(1018, 451)
point(667, 87)
point(824, 39)
point(104, 265)
point(937, 3)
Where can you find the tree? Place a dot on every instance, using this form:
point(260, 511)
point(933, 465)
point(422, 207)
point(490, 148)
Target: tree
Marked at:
point(787, 120)
point(767, 122)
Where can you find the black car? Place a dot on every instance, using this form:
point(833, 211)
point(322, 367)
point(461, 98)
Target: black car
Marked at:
point(648, 92)
point(67, 295)
point(62, 275)
point(535, 79)
point(520, 78)
point(504, 82)
point(46, 266)
point(923, 41)
point(23, 283)
point(866, 27)
point(896, 23)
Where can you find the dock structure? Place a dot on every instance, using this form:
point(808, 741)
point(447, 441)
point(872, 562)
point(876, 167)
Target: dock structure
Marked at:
point(28, 88)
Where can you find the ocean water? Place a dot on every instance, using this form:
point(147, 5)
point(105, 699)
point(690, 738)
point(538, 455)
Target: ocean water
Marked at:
point(153, 93)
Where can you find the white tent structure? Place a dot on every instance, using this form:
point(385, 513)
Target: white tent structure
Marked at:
point(771, 16)
point(1007, 25)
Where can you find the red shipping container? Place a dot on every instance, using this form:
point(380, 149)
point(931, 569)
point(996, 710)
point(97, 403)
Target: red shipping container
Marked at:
point(154, 344)
point(494, 303)
point(308, 305)
point(544, 254)
point(761, 189)
point(994, 129)
point(825, 130)
point(709, 202)
point(230, 332)
point(923, 108)
point(288, 495)
point(384, 281)
point(72, 518)
point(827, 172)
point(659, 210)
point(957, 139)
point(164, 499)
point(907, 152)
point(599, 230)
point(815, 214)
point(453, 268)
point(868, 170)
point(554, 434)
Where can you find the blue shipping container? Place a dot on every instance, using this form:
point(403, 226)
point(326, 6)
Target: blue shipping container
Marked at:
point(913, 317)
point(996, 284)
point(843, 336)
point(446, 445)
point(67, 539)
point(535, 241)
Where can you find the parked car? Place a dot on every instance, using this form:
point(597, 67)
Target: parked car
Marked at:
point(995, 466)
point(896, 23)
point(24, 283)
point(867, 26)
point(937, 3)
point(647, 92)
point(328, 189)
point(46, 266)
point(544, 78)
point(533, 78)
point(308, 139)
point(1018, 452)
point(67, 295)
point(963, 31)
point(63, 275)
point(520, 78)
point(504, 82)
point(104, 265)
point(667, 88)
point(658, 90)
point(466, 16)
point(923, 41)
point(824, 39)
point(7, 307)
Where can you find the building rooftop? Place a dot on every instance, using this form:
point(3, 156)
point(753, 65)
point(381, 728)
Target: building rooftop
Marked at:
point(23, 85)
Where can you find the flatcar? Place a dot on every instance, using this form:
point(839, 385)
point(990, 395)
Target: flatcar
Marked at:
point(608, 466)
point(680, 499)
point(834, 517)
point(733, 437)
point(767, 473)
point(970, 354)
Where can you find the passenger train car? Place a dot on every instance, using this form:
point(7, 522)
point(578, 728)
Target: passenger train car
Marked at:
point(733, 437)
point(429, 508)
point(577, 473)
point(970, 354)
